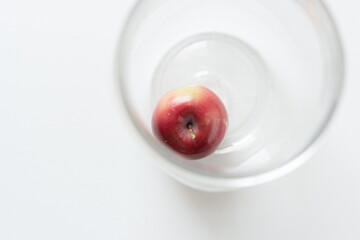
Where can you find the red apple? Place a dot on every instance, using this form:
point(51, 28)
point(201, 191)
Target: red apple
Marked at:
point(191, 120)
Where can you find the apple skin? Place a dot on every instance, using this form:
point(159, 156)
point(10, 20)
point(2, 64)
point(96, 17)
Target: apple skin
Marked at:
point(190, 120)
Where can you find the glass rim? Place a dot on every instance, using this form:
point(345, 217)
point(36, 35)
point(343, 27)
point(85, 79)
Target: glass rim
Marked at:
point(165, 156)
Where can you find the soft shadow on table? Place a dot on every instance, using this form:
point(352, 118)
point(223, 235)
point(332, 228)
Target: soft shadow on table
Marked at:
point(220, 213)
point(240, 213)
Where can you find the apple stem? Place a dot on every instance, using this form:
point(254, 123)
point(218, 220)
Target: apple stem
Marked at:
point(192, 135)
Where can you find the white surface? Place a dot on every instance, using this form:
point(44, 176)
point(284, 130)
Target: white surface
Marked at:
point(70, 169)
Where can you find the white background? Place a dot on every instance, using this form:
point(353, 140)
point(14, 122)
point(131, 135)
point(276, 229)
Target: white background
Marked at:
point(70, 169)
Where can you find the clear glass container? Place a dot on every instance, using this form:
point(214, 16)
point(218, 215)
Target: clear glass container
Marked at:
point(276, 65)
